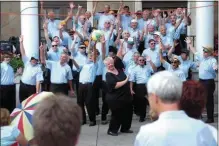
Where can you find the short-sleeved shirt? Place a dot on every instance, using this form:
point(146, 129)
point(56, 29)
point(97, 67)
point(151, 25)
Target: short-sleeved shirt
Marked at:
point(9, 135)
point(32, 73)
point(117, 98)
point(60, 74)
point(141, 75)
point(88, 72)
point(206, 70)
point(7, 74)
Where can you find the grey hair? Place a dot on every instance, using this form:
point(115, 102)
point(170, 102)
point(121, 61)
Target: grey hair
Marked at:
point(136, 53)
point(125, 31)
point(107, 59)
point(166, 85)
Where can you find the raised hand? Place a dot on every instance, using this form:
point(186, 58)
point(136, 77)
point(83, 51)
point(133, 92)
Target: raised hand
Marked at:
point(102, 39)
point(42, 46)
point(188, 41)
point(79, 7)
point(72, 5)
point(148, 58)
point(215, 67)
point(21, 38)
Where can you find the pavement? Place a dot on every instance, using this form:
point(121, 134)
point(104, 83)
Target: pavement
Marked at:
point(97, 135)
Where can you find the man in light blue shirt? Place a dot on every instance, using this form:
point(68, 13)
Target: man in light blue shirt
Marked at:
point(125, 18)
point(7, 83)
point(207, 73)
point(174, 67)
point(140, 76)
point(102, 17)
point(153, 52)
point(185, 63)
point(32, 75)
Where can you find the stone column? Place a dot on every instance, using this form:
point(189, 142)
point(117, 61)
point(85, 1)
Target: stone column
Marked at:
point(138, 5)
point(204, 25)
point(30, 26)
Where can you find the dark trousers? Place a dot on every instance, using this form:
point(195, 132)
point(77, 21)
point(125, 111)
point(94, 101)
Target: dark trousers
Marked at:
point(96, 91)
point(8, 97)
point(121, 117)
point(210, 87)
point(140, 100)
point(26, 90)
point(85, 98)
point(105, 108)
point(76, 80)
point(59, 88)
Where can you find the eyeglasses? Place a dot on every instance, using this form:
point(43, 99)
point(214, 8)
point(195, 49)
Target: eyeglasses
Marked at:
point(174, 62)
point(54, 45)
point(152, 43)
point(141, 60)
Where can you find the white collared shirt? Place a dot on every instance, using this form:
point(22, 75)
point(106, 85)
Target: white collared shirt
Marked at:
point(175, 128)
point(31, 74)
point(7, 74)
point(60, 74)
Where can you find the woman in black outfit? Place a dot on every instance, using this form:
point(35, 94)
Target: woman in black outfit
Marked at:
point(119, 99)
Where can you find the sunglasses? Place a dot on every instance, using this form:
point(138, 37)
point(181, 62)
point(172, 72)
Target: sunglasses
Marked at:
point(141, 60)
point(152, 43)
point(174, 62)
point(54, 45)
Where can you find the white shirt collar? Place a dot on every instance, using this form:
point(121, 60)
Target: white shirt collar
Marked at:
point(172, 114)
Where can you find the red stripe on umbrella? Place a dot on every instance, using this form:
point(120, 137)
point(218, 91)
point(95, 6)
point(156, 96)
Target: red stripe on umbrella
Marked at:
point(29, 99)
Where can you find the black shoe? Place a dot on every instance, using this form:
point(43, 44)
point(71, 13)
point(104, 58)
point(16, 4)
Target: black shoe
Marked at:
point(92, 124)
point(127, 131)
point(141, 119)
point(209, 121)
point(83, 123)
point(112, 133)
point(104, 122)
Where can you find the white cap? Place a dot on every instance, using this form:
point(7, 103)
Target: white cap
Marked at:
point(134, 20)
point(157, 33)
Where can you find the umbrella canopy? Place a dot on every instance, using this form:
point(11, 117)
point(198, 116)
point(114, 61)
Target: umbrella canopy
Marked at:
point(22, 115)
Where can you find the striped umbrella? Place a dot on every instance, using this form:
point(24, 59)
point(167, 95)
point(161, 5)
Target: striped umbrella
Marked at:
point(21, 117)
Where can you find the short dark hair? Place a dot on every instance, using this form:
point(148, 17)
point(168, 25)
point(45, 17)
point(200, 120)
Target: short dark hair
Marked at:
point(151, 40)
point(57, 121)
point(193, 98)
point(126, 7)
point(112, 49)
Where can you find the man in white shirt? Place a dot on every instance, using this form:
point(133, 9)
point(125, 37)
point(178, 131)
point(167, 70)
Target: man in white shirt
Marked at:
point(174, 127)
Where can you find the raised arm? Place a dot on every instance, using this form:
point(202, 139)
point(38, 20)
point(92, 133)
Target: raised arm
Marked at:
point(161, 57)
point(42, 54)
point(46, 33)
point(78, 14)
point(120, 51)
point(22, 46)
point(42, 12)
point(103, 47)
point(94, 9)
point(189, 43)
point(148, 59)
